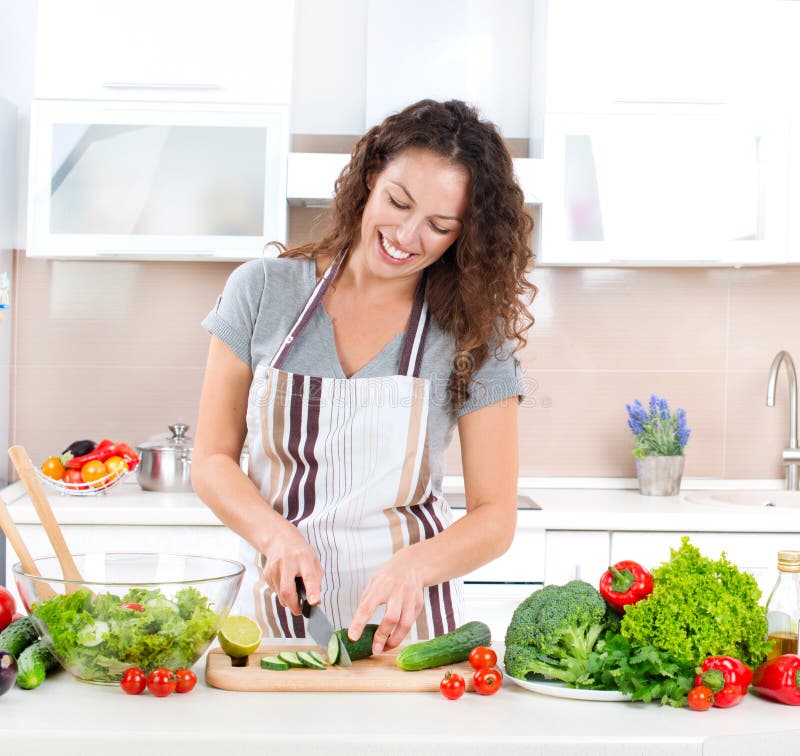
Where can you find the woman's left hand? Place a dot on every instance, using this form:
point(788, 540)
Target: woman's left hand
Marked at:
point(398, 585)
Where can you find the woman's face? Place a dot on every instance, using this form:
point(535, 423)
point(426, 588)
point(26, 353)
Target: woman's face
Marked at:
point(414, 212)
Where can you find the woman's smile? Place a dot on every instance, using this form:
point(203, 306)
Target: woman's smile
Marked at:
point(396, 256)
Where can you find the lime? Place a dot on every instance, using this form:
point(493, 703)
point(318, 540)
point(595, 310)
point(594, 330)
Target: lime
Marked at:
point(239, 636)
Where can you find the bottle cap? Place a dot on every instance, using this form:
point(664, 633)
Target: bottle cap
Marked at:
point(789, 561)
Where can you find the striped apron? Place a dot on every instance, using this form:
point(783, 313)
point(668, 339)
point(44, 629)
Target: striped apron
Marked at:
point(346, 462)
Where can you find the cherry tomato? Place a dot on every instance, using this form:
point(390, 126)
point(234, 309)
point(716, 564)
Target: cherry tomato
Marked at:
point(186, 680)
point(73, 478)
point(133, 681)
point(700, 698)
point(7, 600)
point(487, 681)
point(161, 682)
point(482, 656)
point(5, 617)
point(133, 605)
point(116, 465)
point(53, 468)
point(93, 471)
point(452, 686)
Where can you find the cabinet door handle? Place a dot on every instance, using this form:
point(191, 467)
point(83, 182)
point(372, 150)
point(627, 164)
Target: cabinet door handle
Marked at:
point(157, 85)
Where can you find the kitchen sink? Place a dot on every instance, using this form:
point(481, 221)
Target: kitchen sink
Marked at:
point(753, 499)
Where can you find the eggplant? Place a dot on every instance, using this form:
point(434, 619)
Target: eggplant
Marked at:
point(79, 448)
point(8, 671)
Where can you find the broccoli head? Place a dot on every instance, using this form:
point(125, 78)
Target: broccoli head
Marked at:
point(553, 632)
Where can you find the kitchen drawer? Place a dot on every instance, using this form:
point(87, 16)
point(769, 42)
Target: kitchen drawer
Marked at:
point(494, 604)
point(576, 555)
point(522, 563)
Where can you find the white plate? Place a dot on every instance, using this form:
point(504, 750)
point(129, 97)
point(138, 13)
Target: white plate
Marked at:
point(562, 690)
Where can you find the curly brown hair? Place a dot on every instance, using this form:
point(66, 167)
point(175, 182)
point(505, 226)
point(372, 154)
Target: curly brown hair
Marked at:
point(478, 290)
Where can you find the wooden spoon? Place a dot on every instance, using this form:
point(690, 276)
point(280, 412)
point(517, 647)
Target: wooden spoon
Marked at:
point(15, 539)
point(26, 472)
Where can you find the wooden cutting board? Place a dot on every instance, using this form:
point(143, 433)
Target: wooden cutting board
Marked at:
point(375, 674)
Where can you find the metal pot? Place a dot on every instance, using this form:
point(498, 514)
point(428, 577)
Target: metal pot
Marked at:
point(166, 463)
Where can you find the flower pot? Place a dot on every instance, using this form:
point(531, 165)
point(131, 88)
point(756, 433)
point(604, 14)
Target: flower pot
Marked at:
point(659, 476)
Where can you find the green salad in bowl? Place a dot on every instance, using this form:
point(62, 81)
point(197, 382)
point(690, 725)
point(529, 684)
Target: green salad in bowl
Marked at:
point(109, 621)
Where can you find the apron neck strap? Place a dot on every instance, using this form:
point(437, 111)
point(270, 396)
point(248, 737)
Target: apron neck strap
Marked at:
point(414, 342)
point(308, 309)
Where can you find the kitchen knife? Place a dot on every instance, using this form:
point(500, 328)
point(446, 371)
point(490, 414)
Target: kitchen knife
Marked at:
point(319, 626)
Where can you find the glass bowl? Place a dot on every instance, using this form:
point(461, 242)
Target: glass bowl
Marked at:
point(130, 610)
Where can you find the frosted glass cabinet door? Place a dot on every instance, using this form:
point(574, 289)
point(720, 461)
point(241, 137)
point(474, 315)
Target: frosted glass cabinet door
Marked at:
point(665, 187)
point(157, 181)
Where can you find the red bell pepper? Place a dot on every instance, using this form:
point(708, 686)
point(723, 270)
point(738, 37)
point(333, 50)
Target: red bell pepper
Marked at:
point(779, 679)
point(128, 454)
point(727, 677)
point(100, 452)
point(625, 583)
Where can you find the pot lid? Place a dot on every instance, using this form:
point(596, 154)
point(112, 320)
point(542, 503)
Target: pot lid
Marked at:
point(178, 441)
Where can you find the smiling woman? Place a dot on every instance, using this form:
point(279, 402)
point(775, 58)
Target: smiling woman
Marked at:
point(348, 363)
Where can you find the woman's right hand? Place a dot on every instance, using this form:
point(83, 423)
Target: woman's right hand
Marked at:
point(287, 556)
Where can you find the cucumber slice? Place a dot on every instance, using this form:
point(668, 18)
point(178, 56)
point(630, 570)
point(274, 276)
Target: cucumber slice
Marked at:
point(319, 657)
point(290, 657)
point(333, 649)
point(309, 660)
point(273, 662)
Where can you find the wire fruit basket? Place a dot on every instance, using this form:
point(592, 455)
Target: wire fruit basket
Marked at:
point(96, 487)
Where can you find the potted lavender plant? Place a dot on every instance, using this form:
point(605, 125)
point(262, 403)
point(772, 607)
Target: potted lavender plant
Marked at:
point(661, 436)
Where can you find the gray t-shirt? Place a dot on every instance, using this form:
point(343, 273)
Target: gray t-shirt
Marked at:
point(260, 303)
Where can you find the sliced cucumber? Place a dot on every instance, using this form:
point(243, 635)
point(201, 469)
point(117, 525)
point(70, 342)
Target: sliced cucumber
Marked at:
point(273, 662)
point(309, 660)
point(319, 657)
point(290, 657)
point(333, 649)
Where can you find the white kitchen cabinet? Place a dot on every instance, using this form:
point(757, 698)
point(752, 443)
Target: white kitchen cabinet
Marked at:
point(601, 56)
point(477, 51)
point(757, 553)
point(692, 184)
point(576, 555)
point(203, 540)
point(239, 51)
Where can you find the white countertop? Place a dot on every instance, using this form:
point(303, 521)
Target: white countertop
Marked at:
point(70, 718)
point(603, 509)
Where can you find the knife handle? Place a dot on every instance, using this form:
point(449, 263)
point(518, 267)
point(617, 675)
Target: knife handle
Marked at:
point(305, 607)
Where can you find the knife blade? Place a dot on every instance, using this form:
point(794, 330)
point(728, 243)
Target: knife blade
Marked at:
point(319, 626)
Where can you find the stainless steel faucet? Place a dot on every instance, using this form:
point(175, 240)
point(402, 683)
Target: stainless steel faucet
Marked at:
point(791, 455)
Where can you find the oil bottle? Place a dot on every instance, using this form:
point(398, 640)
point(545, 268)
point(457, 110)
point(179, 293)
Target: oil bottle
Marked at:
point(783, 605)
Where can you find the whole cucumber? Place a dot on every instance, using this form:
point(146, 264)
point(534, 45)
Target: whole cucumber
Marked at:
point(18, 636)
point(33, 665)
point(445, 649)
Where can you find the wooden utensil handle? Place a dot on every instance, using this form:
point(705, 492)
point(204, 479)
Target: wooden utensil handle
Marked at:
point(15, 539)
point(24, 467)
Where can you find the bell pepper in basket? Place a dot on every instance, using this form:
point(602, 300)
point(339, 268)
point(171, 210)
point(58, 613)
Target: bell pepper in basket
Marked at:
point(779, 679)
point(727, 677)
point(625, 583)
point(100, 452)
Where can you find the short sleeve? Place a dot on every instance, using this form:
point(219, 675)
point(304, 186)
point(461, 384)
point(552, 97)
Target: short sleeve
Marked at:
point(500, 377)
point(234, 315)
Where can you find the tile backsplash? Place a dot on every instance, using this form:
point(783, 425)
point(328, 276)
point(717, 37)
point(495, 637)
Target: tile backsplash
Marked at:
point(116, 349)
